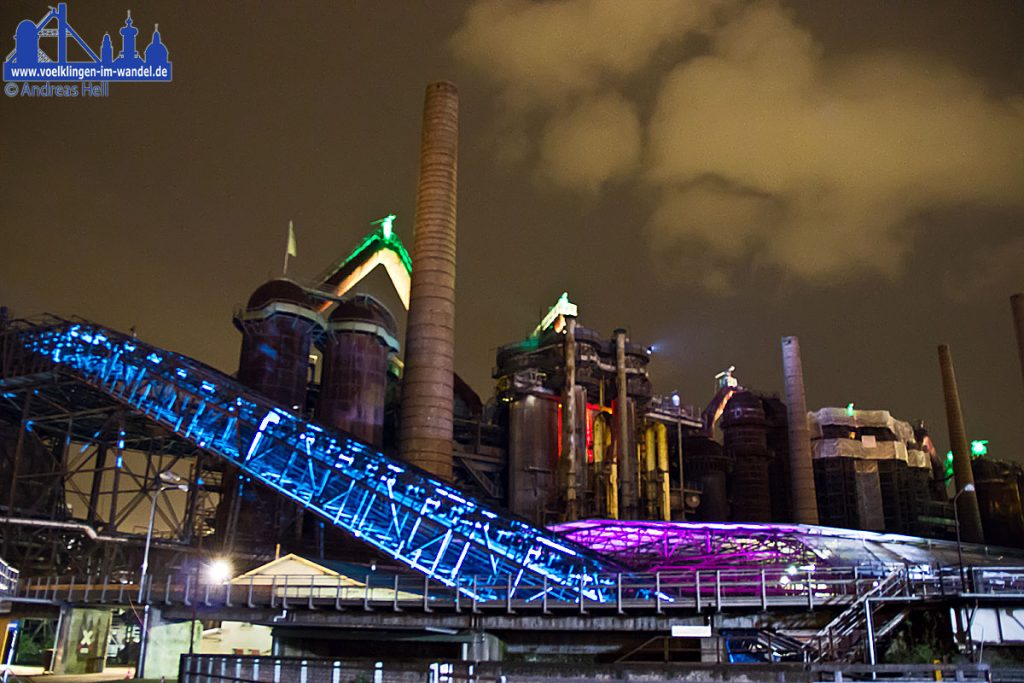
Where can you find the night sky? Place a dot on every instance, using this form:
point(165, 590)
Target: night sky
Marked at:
point(710, 176)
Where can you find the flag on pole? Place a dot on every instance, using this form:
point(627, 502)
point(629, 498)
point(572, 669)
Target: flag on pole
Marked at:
point(292, 248)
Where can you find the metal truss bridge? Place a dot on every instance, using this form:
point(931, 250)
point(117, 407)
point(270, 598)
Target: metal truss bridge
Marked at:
point(401, 511)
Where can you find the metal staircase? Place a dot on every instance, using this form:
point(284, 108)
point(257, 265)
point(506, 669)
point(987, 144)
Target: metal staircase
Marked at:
point(849, 635)
point(400, 510)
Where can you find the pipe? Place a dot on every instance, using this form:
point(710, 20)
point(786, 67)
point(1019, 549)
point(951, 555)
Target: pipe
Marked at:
point(613, 489)
point(570, 457)
point(666, 491)
point(651, 476)
point(682, 472)
point(425, 437)
point(801, 468)
point(68, 526)
point(1017, 304)
point(969, 514)
point(606, 466)
point(626, 459)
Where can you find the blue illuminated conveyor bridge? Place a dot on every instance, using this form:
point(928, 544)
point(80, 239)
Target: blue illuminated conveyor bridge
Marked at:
point(400, 510)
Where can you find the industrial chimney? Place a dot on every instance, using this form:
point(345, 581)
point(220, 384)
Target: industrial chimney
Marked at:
point(969, 514)
point(801, 468)
point(425, 438)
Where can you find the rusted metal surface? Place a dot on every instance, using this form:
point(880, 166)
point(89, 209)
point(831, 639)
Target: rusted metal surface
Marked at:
point(426, 430)
point(801, 471)
point(967, 503)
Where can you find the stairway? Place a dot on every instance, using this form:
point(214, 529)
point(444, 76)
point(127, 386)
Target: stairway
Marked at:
point(396, 508)
point(844, 639)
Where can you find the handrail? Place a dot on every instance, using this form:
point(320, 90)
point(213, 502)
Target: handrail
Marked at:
point(654, 591)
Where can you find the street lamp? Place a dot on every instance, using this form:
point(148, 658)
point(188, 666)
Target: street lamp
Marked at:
point(968, 488)
point(165, 481)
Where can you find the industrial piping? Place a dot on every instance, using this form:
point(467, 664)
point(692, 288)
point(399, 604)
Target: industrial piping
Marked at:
point(569, 465)
point(625, 455)
point(425, 437)
point(801, 468)
point(969, 514)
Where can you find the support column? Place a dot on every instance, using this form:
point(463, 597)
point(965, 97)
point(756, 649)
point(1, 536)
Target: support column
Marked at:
point(569, 465)
point(970, 516)
point(19, 448)
point(801, 469)
point(625, 454)
point(82, 637)
point(167, 641)
point(97, 481)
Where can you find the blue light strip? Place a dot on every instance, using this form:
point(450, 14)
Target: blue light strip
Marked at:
point(428, 525)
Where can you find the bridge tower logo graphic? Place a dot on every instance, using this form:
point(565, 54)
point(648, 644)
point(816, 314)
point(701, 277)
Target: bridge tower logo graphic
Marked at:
point(30, 62)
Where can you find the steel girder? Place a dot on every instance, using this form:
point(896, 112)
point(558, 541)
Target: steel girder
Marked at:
point(398, 509)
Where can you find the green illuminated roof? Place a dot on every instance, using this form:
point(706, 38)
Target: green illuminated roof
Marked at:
point(382, 238)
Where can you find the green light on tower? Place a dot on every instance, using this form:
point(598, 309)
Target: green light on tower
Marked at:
point(849, 410)
point(385, 225)
point(979, 448)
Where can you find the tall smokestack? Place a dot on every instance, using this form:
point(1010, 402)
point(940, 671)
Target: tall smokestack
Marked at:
point(970, 516)
point(625, 452)
point(801, 468)
point(425, 439)
point(1017, 303)
point(569, 465)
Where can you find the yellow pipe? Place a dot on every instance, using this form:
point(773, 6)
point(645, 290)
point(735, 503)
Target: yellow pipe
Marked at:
point(649, 447)
point(666, 498)
point(650, 456)
point(613, 490)
point(602, 443)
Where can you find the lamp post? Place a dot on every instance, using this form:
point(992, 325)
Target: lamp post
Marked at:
point(968, 488)
point(165, 481)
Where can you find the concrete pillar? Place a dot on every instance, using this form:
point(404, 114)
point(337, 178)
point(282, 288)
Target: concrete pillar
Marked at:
point(801, 469)
point(168, 640)
point(970, 516)
point(82, 638)
point(569, 465)
point(625, 453)
point(1017, 304)
point(425, 438)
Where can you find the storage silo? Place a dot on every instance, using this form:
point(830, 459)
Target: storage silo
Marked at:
point(361, 337)
point(278, 325)
point(745, 429)
point(999, 501)
point(708, 467)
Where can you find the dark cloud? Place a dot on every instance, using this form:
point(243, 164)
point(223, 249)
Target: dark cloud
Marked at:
point(824, 163)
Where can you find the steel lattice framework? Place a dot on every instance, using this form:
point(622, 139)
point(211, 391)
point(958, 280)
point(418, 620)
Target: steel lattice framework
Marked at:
point(401, 511)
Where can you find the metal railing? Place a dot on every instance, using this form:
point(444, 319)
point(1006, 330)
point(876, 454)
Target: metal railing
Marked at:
point(246, 669)
point(8, 580)
point(696, 591)
point(699, 591)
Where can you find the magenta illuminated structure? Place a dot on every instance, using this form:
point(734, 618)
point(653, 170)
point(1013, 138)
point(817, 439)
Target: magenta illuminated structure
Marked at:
point(646, 546)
